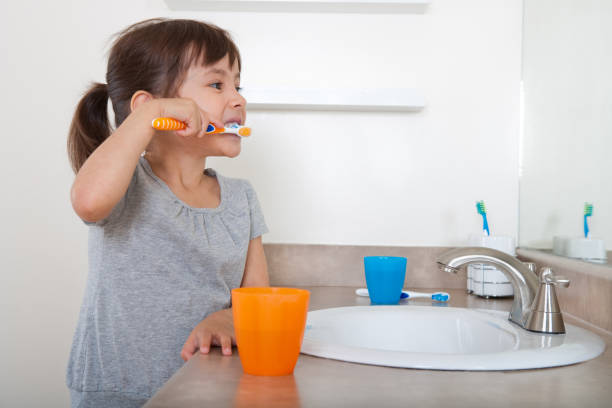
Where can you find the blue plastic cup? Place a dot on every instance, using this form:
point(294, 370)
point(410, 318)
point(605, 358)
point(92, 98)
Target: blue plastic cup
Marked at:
point(385, 278)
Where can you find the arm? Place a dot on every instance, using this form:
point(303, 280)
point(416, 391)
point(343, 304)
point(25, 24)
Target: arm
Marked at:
point(218, 328)
point(256, 268)
point(106, 174)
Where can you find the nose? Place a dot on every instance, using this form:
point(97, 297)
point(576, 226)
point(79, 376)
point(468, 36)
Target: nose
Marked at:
point(237, 101)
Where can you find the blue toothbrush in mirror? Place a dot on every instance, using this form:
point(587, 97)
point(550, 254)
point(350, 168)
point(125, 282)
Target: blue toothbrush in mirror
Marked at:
point(588, 211)
point(480, 206)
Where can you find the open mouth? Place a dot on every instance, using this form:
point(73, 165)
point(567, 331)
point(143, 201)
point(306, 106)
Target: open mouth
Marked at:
point(232, 124)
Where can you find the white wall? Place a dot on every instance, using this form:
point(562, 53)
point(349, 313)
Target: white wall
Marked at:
point(388, 179)
point(396, 179)
point(565, 157)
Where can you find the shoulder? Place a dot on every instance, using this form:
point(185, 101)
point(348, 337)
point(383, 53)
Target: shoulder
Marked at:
point(233, 186)
point(237, 194)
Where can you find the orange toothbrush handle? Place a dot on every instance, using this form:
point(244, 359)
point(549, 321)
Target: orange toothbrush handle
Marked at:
point(168, 124)
point(174, 124)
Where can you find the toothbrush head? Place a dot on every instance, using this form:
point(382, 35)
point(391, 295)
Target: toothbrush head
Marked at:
point(234, 128)
point(588, 209)
point(480, 206)
point(440, 297)
point(244, 131)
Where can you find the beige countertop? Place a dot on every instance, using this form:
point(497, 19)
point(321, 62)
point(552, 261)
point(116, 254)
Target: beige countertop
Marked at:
point(214, 380)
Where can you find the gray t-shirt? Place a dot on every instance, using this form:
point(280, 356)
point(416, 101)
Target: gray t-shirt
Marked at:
point(157, 267)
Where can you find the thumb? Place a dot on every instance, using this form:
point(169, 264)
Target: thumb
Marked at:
point(214, 120)
point(207, 119)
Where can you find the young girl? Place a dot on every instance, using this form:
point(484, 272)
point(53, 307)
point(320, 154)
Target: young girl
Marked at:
point(168, 240)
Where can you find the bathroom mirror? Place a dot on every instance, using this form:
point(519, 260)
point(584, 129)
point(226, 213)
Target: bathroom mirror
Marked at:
point(566, 139)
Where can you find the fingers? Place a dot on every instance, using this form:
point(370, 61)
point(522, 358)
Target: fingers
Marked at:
point(190, 346)
point(198, 124)
point(195, 341)
point(215, 330)
point(226, 345)
point(205, 341)
point(195, 119)
point(205, 119)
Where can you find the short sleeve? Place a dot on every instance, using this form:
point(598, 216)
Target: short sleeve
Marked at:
point(114, 214)
point(258, 223)
point(118, 208)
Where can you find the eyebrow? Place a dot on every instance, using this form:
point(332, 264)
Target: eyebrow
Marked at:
point(221, 72)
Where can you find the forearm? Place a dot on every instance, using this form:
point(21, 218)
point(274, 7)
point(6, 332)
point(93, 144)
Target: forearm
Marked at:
point(256, 268)
point(259, 279)
point(105, 176)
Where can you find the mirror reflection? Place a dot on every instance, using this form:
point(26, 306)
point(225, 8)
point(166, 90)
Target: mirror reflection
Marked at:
point(565, 193)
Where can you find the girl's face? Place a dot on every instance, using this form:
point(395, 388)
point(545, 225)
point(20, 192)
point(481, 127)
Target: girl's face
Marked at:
point(214, 88)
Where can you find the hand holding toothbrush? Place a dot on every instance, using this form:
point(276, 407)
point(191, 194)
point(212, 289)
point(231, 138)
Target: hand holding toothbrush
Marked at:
point(185, 117)
point(174, 121)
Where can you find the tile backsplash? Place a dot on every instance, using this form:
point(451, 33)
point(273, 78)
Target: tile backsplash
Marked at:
point(342, 265)
point(589, 296)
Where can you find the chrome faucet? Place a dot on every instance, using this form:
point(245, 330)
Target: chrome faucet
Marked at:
point(524, 283)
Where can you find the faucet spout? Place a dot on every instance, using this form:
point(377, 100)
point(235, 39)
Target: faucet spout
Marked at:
point(524, 281)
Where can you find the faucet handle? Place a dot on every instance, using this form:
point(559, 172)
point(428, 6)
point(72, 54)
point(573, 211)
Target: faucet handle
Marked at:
point(545, 314)
point(548, 277)
point(531, 266)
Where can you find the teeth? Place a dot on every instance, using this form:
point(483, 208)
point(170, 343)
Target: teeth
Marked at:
point(231, 124)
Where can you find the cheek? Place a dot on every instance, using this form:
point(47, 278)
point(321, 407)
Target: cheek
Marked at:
point(207, 101)
point(211, 106)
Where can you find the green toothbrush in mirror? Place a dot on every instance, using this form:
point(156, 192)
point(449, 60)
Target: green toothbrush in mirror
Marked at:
point(480, 206)
point(588, 211)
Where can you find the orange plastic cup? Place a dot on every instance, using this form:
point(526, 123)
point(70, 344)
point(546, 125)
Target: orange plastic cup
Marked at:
point(269, 324)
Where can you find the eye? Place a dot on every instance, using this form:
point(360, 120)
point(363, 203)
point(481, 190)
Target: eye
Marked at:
point(238, 88)
point(216, 85)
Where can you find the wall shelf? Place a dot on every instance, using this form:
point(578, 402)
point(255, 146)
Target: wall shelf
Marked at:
point(374, 100)
point(334, 6)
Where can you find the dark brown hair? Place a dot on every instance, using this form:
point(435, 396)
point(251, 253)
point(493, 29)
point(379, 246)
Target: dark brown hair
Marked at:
point(152, 55)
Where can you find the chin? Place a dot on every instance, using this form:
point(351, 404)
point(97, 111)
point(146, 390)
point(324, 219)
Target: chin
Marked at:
point(232, 152)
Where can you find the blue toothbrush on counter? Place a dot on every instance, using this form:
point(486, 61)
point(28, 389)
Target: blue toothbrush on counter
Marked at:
point(406, 294)
point(480, 206)
point(588, 211)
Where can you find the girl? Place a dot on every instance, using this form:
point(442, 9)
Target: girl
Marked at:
point(168, 240)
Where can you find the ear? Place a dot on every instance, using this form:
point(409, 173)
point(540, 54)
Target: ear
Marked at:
point(139, 98)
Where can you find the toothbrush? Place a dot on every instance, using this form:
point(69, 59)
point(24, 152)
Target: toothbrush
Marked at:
point(588, 211)
point(173, 124)
point(437, 296)
point(480, 206)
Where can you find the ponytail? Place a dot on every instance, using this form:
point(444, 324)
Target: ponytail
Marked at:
point(90, 125)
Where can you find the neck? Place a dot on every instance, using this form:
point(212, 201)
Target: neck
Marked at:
point(179, 170)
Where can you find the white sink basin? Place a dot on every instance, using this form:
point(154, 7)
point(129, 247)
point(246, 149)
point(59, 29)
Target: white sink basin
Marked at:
point(441, 338)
